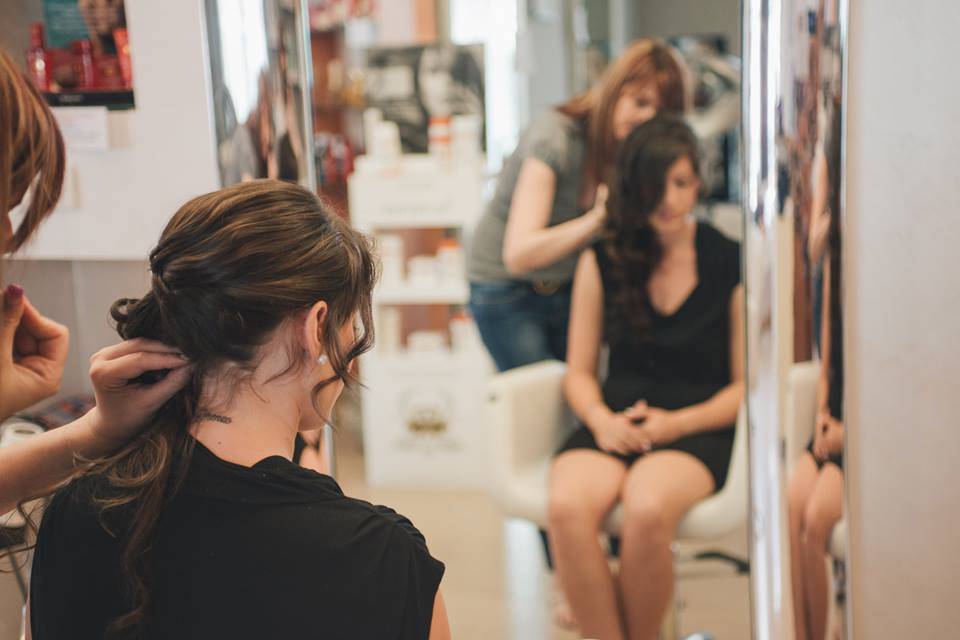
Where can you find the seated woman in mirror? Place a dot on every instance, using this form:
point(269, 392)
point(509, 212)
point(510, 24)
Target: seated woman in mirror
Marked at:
point(203, 527)
point(662, 291)
point(815, 497)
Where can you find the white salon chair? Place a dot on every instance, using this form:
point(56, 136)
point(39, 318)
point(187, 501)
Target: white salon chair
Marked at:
point(528, 420)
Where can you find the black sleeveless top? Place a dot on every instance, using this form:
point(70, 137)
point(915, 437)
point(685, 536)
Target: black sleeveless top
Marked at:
point(685, 358)
point(269, 551)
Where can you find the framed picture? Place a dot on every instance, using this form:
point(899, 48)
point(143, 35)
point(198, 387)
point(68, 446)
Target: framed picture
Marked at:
point(80, 54)
point(411, 85)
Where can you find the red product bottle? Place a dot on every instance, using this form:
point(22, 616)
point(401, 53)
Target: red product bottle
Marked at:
point(83, 65)
point(122, 40)
point(38, 66)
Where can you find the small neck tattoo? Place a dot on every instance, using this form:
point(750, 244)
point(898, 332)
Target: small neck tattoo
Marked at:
point(215, 417)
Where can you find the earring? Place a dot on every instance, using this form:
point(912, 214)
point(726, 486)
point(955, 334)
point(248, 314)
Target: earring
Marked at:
point(323, 359)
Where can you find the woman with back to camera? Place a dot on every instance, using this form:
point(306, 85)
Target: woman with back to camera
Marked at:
point(203, 527)
point(662, 290)
point(549, 204)
point(33, 348)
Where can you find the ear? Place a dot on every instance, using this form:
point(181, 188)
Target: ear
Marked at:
point(311, 332)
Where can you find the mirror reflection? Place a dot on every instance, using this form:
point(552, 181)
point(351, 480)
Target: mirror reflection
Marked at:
point(794, 127)
point(555, 397)
point(811, 136)
point(258, 90)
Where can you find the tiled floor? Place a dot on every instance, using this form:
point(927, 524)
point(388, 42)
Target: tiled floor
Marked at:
point(497, 586)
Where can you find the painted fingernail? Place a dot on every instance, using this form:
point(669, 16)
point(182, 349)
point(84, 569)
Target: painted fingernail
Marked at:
point(15, 292)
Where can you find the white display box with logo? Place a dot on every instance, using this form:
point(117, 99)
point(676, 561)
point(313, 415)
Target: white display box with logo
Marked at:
point(422, 410)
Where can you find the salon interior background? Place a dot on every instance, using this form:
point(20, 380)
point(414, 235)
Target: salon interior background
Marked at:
point(900, 233)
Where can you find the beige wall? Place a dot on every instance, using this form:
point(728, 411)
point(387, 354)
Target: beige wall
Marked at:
point(78, 294)
point(664, 18)
point(903, 310)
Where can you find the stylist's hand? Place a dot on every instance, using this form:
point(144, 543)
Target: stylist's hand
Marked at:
point(123, 406)
point(616, 433)
point(659, 426)
point(33, 351)
point(598, 213)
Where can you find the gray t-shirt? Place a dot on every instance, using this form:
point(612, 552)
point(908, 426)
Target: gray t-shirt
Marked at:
point(558, 141)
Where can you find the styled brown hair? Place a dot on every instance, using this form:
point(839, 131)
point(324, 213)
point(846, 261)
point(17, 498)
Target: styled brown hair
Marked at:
point(230, 268)
point(645, 61)
point(31, 152)
point(638, 186)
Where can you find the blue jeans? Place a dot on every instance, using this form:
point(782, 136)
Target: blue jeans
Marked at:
point(518, 325)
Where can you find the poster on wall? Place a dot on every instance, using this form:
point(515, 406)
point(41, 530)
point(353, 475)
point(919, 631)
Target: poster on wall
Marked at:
point(413, 85)
point(80, 54)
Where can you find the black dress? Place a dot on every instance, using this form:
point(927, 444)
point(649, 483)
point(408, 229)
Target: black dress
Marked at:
point(269, 551)
point(685, 359)
point(834, 381)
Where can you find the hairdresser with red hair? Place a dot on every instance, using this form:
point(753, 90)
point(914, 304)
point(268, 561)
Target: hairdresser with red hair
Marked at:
point(33, 348)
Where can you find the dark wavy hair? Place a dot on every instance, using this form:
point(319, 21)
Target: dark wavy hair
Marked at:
point(834, 157)
point(230, 268)
point(636, 188)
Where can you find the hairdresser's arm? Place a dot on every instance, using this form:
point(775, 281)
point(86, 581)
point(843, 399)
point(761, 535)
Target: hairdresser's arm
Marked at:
point(440, 626)
point(529, 243)
point(819, 210)
point(715, 413)
point(39, 463)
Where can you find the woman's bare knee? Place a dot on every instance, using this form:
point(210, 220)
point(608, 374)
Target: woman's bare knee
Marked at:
point(818, 522)
point(573, 511)
point(648, 521)
point(801, 487)
point(583, 489)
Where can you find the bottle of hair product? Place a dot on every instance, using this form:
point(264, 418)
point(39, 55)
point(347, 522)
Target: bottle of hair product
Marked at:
point(391, 257)
point(122, 40)
point(465, 136)
point(84, 70)
point(438, 137)
point(371, 118)
point(463, 334)
point(422, 271)
point(450, 262)
point(38, 67)
point(388, 330)
point(386, 141)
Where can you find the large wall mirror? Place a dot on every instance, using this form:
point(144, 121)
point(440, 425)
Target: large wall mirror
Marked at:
point(758, 548)
point(700, 587)
point(793, 132)
point(260, 80)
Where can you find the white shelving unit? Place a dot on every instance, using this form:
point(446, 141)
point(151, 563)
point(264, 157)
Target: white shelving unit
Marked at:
point(448, 293)
point(422, 411)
